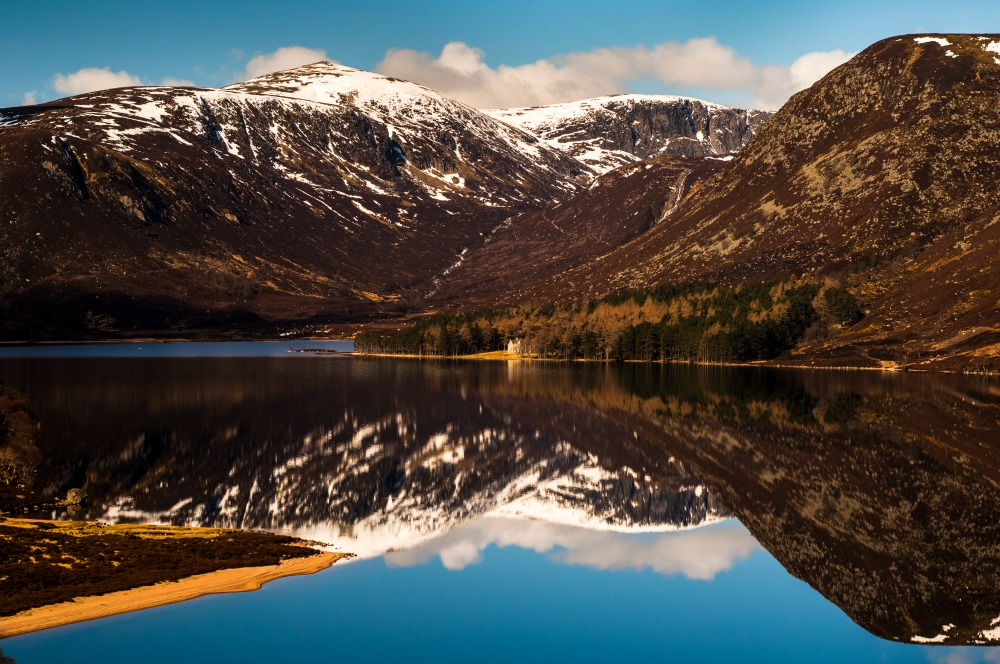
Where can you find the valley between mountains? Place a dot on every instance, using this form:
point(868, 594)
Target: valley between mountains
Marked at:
point(324, 199)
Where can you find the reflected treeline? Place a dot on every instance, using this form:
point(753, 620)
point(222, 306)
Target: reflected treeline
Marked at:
point(879, 490)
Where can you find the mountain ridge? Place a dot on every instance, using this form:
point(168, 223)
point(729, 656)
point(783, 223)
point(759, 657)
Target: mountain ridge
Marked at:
point(312, 196)
point(608, 132)
point(880, 177)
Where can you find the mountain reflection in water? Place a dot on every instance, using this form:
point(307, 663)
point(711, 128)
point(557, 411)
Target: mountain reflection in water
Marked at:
point(878, 490)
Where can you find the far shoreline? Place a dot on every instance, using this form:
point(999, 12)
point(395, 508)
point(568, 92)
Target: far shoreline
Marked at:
point(496, 356)
point(504, 356)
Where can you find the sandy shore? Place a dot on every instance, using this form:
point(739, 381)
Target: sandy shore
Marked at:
point(224, 581)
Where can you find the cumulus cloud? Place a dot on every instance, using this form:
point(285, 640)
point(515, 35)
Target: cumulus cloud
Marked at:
point(811, 67)
point(30, 98)
point(90, 79)
point(286, 57)
point(460, 72)
point(950, 656)
point(696, 554)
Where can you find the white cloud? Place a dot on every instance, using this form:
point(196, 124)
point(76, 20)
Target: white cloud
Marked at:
point(177, 82)
point(30, 98)
point(704, 63)
point(286, 57)
point(697, 554)
point(90, 79)
point(950, 656)
point(811, 67)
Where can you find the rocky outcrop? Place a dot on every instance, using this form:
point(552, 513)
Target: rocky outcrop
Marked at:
point(608, 132)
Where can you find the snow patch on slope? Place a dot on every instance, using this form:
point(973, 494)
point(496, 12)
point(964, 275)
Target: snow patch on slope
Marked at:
point(993, 47)
point(940, 41)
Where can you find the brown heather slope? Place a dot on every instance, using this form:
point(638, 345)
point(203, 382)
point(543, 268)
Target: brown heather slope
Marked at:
point(618, 207)
point(884, 175)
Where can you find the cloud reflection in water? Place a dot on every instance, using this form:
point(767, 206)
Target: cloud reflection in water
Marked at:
point(699, 554)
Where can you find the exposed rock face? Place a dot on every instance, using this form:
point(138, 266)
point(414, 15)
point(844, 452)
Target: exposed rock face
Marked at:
point(608, 132)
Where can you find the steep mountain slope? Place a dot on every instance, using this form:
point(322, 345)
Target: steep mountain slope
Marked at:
point(618, 207)
point(607, 132)
point(143, 209)
point(884, 174)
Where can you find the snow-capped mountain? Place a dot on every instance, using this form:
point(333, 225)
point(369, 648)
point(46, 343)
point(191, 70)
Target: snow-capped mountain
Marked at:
point(447, 148)
point(320, 194)
point(608, 132)
point(319, 191)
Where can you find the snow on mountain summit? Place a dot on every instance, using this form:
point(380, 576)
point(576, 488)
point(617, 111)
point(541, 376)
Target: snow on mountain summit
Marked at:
point(406, 108)
point(331, 83)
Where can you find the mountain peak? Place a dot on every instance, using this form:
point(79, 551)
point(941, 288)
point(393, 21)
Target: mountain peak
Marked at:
point(331, 83)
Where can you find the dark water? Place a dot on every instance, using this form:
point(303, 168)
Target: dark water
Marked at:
point(543, 512)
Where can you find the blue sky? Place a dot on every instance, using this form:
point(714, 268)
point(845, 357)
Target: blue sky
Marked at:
point(212, 43)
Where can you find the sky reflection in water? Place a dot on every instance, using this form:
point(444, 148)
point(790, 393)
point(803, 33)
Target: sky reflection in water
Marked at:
point(517, 601)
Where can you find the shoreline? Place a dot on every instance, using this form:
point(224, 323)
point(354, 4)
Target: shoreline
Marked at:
point(158, 340)
point(503, 356)
point(239, 579)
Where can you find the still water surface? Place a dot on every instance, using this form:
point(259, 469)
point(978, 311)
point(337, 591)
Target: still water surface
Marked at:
point(544, 512)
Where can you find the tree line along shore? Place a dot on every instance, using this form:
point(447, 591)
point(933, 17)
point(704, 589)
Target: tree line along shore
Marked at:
point(694, 322)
